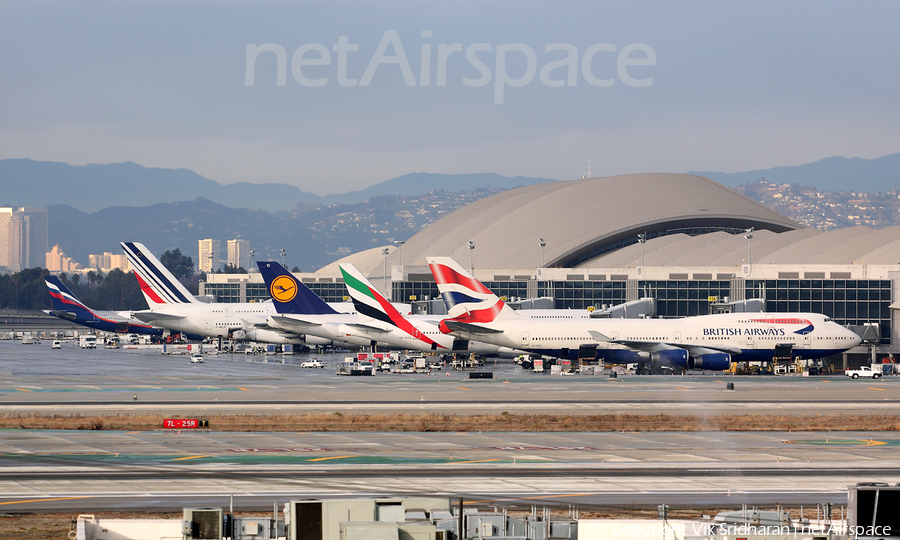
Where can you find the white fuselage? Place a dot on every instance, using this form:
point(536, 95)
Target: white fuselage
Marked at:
point(751, 335)
point(224, 319)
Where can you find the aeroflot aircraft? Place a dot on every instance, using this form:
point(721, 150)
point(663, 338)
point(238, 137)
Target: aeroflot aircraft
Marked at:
point(703, 342)
point(66, 306)
point(172, 306)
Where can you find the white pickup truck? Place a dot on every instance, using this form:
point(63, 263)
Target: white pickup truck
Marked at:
point(864, 371)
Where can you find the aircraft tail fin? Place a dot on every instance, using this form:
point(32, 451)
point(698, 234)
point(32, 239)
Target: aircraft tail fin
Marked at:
point(290, 295)
point(467, 299)
point(371, 303)
point(62, 299)
point(157, 283)
point(366, 298)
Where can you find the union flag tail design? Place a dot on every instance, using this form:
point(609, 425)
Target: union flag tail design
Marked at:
point(157, 283)
point(370, 303)
point(467, 299)
point(289, 295)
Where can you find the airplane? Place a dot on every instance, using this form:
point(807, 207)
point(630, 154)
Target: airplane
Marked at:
point(173, 306)
point(703, 342)
point(300, 310)
point(382, 322)
point(66, 306)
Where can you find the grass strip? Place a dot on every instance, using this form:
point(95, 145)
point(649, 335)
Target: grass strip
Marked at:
point(435, 422)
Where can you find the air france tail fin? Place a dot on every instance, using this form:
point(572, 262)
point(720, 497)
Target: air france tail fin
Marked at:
point(157, 283)
point(290, 295)
point(62, 300)
point(467, 299)
point(371, 303)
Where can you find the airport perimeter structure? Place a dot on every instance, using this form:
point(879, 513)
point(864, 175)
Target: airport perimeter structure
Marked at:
point(682, 239)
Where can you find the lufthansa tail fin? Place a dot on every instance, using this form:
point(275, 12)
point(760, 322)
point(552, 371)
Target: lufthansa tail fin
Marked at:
point(467, 299)
point(290, 295)
point(157, 283)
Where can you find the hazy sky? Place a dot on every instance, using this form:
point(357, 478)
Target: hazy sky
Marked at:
point(668, 86)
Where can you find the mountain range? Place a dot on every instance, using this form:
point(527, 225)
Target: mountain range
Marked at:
point(90, 188)
point(829, 174)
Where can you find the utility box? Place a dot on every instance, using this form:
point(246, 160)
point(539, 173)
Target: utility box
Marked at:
point(390, 513)
point(564, 529)
point(872, 510)
point(370, 531)
point(390, 531)
point(251, 528)
point(320, 520)
point(202, 524)
point(485, 524)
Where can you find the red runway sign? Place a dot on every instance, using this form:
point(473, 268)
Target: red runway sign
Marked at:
point(181, 423)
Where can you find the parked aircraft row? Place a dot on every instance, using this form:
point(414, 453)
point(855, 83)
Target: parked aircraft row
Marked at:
point(702, 342)
point(478, 322)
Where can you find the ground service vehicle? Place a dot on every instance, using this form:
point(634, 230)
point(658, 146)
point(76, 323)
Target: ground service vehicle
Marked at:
point(312, 364)
point(196, 358)
point(864, 371)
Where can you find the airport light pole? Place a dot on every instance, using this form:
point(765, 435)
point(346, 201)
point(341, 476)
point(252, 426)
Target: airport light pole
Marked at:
point(749, 237)
point(543, 243)
point(252, 253)
point(399, 244)
point(642, 239)
point(210, 256)
point(385, 251)
point(472, 258)
point(282, 256)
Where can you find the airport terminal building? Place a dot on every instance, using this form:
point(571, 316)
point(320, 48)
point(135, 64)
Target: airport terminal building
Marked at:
point(691, 244)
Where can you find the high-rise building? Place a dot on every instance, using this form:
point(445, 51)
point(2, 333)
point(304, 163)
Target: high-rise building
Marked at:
point(107, 261)
point(57, 261)
point(210, 255)
point(23, 237)
point(239, 254)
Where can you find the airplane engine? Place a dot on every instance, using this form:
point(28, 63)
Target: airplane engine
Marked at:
point(712, 361)
point(317, 341)
point(671, 358)
point(266, 336)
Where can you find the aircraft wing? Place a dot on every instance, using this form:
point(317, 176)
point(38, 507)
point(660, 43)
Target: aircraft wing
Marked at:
point(458, 326)
point(656, 346)
point(68, 315)
point(369, 328)
point(282, 321)
point(696, 350)
point(149, 316)
point(261, 325)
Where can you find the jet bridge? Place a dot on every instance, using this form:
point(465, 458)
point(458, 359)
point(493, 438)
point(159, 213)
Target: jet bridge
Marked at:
point(645, 308)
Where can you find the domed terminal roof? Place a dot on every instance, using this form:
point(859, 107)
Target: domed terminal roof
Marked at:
point(582, 220)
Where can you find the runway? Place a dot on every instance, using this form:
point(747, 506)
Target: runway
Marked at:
point(75, 381)
point(110, 470)
point(102, 470)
